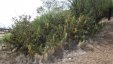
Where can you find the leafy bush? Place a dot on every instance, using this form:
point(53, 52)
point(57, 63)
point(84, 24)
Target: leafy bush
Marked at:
point(82, 28)
point(96, 9)
point(6, 37)
point(24, 37)
point(58, 28)
point(54, 28)
point(50, 28)
point(86, 27)
point(49, 31)
point(1, 40)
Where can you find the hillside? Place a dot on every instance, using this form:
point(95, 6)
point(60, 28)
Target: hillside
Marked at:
point(102, 45)
point(99, 51)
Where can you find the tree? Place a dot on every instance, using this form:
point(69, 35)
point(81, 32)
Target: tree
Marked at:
point(53, 5)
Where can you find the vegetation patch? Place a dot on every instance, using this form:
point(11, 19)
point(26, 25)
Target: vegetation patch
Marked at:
point(55, 27)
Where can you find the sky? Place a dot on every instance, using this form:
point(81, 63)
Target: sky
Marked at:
point(15, 8)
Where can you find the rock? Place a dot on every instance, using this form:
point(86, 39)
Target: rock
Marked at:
point(69, 58)
point(82, 44)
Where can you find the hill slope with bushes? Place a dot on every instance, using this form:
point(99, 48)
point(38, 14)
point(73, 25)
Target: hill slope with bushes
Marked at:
point(58, 28)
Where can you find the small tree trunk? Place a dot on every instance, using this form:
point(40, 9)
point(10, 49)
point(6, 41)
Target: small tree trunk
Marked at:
point(109, 13)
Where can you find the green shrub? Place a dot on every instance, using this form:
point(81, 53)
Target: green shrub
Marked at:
point(50, 27)
point(6, 37)
point(86, 27)
point(58, 28)
point(1, 40)
point(54, 28)
point(96, 9)
point(82, 28)
point(24, 36)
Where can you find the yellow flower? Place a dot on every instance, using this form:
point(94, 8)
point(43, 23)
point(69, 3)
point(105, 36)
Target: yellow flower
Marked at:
point(47, 24)
point(75, 30)
point(30, 50)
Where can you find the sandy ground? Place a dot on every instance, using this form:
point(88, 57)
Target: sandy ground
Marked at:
point(99, 51)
